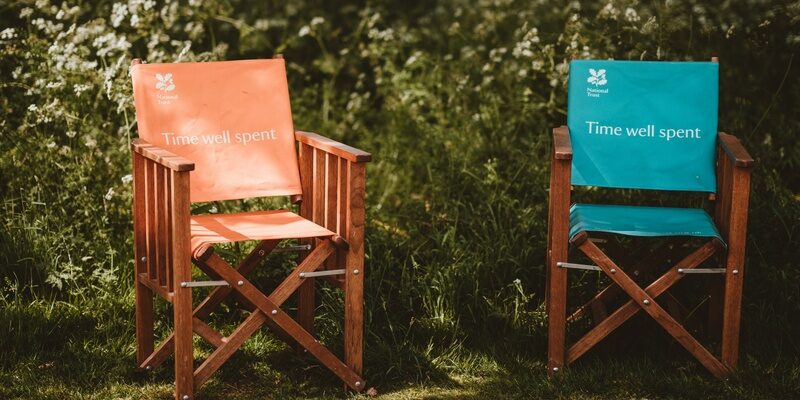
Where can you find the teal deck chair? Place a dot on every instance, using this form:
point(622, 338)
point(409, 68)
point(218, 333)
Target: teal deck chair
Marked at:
point(646, 125)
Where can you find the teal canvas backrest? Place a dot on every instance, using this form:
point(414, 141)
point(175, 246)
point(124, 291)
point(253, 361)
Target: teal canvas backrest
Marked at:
point(643, 124)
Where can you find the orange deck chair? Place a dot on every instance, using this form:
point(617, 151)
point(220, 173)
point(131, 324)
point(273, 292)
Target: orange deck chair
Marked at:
point(219, 131)
point(646, 125)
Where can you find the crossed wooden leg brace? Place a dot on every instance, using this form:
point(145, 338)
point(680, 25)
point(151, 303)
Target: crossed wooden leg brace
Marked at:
point(265, 310)
point(643, 299)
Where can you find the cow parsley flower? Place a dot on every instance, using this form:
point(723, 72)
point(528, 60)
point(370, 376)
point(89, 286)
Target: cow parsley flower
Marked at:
point(118, 13)
point(631, 15)
point(8, 33)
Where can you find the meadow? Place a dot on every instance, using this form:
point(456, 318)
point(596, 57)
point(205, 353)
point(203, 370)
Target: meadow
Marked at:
point(455, 99)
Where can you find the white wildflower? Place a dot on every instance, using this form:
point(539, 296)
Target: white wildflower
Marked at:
point(80, 88)
point(8, 33)
point(304, 31)
point(631, 15)
point(187, 45)
point(730, 31)
point(33, 107)
point(412, 59)
point(127, 179)
point(609, 11)
point(25, 12)
point(71, 133)
point(51, 145)
point(110, 194)
point(118, 13)
point(317, 21)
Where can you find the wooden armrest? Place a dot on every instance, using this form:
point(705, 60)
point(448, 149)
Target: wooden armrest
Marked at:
point(161, 156)
point(561, 143)
point(331, 146)
point(735, 151)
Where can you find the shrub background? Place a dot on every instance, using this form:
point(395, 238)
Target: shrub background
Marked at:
point(455, 99)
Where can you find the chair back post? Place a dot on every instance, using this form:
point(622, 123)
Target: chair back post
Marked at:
point(558, 247)
point(182, 272)
point(735, 233)
point(734, 167)
point(354, 265)
point(144, 296)
point(162, 212)
point(333, 184)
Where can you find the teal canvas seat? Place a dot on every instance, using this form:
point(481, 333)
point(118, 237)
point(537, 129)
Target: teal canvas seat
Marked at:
point(646, 125)
point(641, 221)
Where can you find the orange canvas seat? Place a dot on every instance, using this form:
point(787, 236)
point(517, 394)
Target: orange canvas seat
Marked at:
point(256, 225)
point(215, 131)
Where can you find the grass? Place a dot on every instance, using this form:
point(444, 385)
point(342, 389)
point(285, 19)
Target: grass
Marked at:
point(64, 351)
point(455, 99)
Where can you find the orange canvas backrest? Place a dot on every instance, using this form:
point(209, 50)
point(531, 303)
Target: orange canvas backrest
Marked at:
point(231, 118)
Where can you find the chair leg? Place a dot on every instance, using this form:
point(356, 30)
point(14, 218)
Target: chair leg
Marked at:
point(731, 315)
point(556, 317)
point(306, 305)
point(144, 323)
point(184, 353)
point(354, 319)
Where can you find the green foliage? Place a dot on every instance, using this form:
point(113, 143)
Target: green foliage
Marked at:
point(455, 99)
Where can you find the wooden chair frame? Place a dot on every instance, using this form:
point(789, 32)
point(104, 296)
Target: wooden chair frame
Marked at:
point(333, 184)
point(730, 216)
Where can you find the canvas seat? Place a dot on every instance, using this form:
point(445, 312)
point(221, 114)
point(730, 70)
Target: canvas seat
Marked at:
point(641, 221)
point(628, 128)
point(256, 225)
point(214, 131)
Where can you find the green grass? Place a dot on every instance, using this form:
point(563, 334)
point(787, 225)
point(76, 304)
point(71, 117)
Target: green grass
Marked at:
point(455, 99)
point(65, 351)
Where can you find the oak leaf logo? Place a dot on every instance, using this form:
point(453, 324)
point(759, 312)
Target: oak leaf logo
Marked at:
point(165, 82)
point(597, 78)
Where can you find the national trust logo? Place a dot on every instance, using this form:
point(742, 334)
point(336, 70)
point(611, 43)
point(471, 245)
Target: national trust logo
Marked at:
point(166, 88)
point(597, 78)
point(165, 82)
